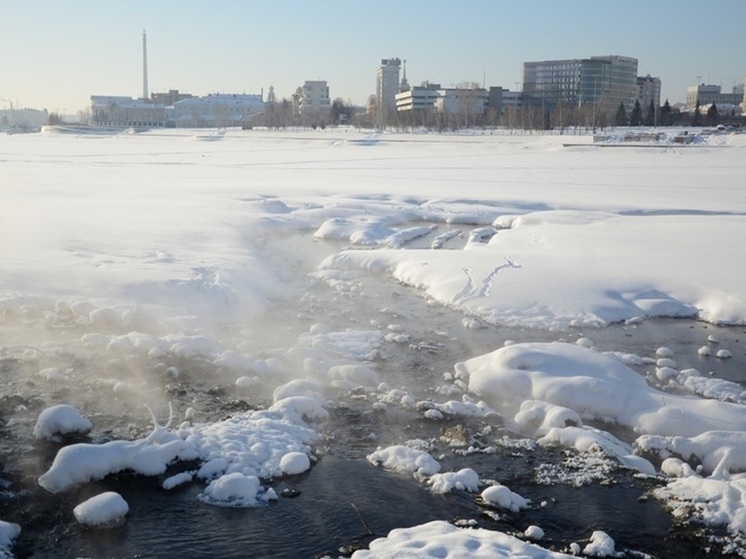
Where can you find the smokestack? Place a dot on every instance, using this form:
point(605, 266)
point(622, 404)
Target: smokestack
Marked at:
point(144, 66)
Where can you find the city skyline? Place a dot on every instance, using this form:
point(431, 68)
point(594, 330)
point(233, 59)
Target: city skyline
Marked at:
point(63, 54)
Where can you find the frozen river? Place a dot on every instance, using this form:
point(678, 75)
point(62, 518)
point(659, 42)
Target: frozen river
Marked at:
point(334, 299)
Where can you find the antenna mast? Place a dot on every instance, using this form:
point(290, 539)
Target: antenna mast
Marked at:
point(144, 66)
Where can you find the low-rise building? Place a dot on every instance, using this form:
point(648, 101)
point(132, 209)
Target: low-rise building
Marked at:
point(707, 94)
point(174, 109)
point(215, 110)
point(118, 110)
point(418, 98)
point(312, 102)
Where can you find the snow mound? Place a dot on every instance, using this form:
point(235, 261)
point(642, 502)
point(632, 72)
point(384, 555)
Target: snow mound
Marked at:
point(595, 386)
point(236, 490)
point(177, 480)
point(102, 511)
point(294, 463)
point(401, 458)
point(60, 420)
point(465, 479)
point(84, 462)
point(501, 497)
point(255, 443)
point(441, 540)
point(601, 546)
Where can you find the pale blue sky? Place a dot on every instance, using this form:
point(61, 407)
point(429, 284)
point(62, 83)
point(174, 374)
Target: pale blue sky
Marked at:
point(56, 53)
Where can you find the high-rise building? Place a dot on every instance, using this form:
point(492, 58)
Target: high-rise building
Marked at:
point(648, 90)
point(604, 81)
point(387, 86)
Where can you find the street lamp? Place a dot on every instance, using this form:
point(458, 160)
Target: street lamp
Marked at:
point(595, 102)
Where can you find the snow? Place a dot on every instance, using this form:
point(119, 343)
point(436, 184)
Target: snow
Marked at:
point(601, 546)
point(102, 511)
point(401, 458)
point(465, 479)
point(8, 532)
point(442, 540)
point(236, 490)
point(596, 386)
point(499, 496)
point(61, 419)
point(176, 480)
point(294, 463)
point(173, 258)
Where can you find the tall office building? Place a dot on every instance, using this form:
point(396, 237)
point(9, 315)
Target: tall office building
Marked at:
point(387, 86)
point(604, 81)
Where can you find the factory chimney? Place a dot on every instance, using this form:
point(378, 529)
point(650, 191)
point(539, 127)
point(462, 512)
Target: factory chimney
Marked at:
point(144, 66)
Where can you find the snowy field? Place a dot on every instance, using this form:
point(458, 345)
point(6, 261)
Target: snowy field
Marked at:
point(199, 310)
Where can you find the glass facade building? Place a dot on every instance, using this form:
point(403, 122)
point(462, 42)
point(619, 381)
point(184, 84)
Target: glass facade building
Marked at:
point(604, 81)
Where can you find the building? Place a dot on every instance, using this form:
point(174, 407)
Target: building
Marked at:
point(648, 90)
point(417, 98)
point(312, 102)
point(387, 86)
point(462, 106)
point(214, 110)
point(173, 96)
point(603, 81)
point(118, 110)
point(22, 120)
point(708, 94)
point(469, 103)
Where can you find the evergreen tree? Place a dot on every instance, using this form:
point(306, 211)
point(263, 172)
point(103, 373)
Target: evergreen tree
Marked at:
point(713, 118)
point(697, 116)
point(650, 119)
point(635, 118)
point(621, 116)
point(665, 114)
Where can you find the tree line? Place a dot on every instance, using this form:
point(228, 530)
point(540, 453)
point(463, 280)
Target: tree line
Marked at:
point(562, 117)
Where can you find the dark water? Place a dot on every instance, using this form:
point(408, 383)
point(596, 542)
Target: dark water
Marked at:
point(341, 502)
point(344, 502)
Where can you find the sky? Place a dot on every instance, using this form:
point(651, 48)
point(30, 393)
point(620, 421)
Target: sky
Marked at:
point(57, 54)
